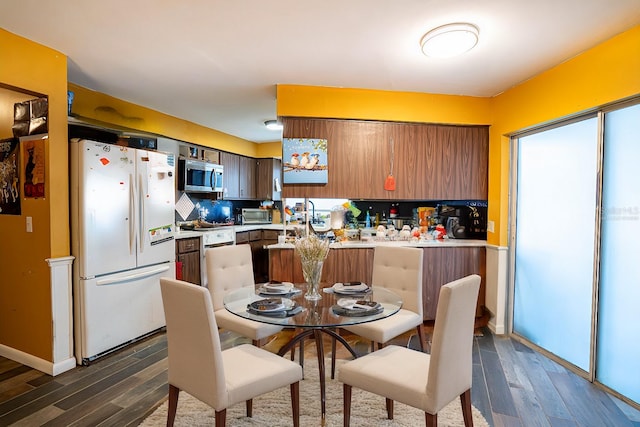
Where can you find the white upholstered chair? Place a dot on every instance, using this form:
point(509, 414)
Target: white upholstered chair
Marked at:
point(398, 269)
point(230, 268)
point(198, 365)
point(425, 381)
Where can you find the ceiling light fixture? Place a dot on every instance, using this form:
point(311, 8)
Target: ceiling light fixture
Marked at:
point(273, 125)
point(449, 40)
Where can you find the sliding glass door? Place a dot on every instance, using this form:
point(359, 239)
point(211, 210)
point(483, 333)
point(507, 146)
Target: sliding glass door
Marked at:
point(576, 245)
point(554, 239)
point(618, 342)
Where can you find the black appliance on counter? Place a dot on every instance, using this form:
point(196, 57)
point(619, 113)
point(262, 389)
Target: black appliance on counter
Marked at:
point(468, 221)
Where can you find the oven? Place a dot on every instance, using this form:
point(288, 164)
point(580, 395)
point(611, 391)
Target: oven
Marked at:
point(217, 236)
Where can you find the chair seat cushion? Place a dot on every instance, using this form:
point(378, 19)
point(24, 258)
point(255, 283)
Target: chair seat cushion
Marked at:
point(245, 327)
point(251, 371)
point(390, 327)
point(393, 372)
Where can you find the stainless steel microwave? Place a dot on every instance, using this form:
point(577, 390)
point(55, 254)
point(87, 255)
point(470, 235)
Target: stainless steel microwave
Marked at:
point(199, 177)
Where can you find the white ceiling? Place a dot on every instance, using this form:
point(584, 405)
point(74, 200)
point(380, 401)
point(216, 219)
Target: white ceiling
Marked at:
point(217, 62)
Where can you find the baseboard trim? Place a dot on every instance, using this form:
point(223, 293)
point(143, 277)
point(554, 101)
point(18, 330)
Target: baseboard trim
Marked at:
point(34, 362)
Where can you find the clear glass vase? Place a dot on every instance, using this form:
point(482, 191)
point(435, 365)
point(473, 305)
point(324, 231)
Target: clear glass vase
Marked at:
point(312, 272)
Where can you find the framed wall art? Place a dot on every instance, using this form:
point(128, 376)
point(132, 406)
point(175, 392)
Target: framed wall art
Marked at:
point(9, 176)
point(34, 164)
point(304, 161)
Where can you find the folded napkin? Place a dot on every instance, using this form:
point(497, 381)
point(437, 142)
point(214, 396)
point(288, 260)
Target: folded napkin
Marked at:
point(278, 313)
point(357, 308)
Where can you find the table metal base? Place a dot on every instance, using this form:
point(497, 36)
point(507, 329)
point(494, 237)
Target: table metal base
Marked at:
point(317, 335)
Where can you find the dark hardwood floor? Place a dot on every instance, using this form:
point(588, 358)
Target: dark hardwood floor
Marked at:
point(512, 386)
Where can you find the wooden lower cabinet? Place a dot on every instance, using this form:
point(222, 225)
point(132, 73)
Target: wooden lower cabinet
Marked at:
point(344, 265)
point(443, 265)
point(257, 239)
point(440, 266)
point(188, 253)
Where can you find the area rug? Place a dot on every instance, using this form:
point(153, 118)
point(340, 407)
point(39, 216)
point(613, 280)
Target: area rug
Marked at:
point(274, 409)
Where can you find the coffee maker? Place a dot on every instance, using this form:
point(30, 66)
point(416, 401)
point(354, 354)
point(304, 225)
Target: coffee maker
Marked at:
point(463, 221)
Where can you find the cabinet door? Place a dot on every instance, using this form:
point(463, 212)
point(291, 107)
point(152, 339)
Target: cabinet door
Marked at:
point(267, 171)
point(443, 265)
point(247, 181)
point(231, 163)
point(190, 266)
point(242, 237)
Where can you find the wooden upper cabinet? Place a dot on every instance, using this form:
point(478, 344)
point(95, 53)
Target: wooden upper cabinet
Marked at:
point(231, 177)
point(247, 182)
point(267, 171)
point(429, 161)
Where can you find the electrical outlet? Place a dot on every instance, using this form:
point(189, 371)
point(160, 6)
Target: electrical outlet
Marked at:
point(491, 226)
point(29, 224)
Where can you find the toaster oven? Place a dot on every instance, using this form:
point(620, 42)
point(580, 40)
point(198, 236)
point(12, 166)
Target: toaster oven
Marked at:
point(256, 216)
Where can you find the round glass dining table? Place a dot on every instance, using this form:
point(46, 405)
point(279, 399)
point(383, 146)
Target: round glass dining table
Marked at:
point(314, 318)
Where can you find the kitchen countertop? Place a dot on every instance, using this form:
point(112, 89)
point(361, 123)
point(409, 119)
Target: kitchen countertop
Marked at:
point(452, 243)
point(350, 244)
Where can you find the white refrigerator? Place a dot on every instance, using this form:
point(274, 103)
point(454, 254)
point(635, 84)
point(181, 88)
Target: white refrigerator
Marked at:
point(122, 211)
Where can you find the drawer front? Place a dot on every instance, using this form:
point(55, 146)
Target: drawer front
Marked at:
point(255, 235)
point(242, 237)
point(270, 234)
point(188, 245)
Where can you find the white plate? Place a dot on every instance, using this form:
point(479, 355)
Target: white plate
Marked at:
point(342, 288)
point(277, 288)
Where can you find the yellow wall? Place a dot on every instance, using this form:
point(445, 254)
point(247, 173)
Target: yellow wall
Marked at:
point(269, 149)
point(606, 73)
point(366, 104)
point(609, 72)
point(107, 109)
point(25, 297)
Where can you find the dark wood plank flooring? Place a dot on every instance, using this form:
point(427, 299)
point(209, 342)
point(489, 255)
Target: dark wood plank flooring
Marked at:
point(512, 386)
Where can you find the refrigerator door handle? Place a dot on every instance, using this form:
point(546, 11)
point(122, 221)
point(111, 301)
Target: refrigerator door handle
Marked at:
point(143, 223)
point(134, 276)
point(132, 230)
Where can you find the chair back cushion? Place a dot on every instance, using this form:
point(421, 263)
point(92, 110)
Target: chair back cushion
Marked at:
point(228, 268)
point(450, 368)
point(195, 355)
point(399, 269)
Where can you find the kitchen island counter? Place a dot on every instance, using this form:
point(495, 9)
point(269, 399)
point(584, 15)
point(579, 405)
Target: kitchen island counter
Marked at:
point(350, 261)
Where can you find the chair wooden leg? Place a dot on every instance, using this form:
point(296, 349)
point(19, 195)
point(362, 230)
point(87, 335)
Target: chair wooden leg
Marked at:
point(221, 418)
point(173, 404)
point(333, 355)
point(465, 400)
point(389, 408)
point(421, 337)
point(346, 391)
point(250, 408)
point(431, 420)
point(295, 403)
